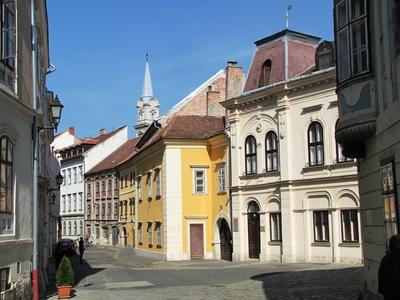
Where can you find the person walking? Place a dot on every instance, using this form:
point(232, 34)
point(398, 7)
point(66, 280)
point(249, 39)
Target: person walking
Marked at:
point(81, 249)
point(389, 271)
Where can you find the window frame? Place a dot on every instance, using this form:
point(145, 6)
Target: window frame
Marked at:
point(158, 234)
point(252, 156)
point(157, 179)
point(5, 283)
point(7, 169)
point(265, 73)
point(8, 43)
point(139, 188)
point(221, 179)
point(149, 233)
point(354, 228)
point(347, 27)
point(312, 129)
point(149, 185)
point(275, 227)
point(326, 232)
point(269, 153)
point(195, 182)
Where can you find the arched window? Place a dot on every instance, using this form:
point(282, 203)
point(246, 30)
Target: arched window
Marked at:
point(253, 207)
point(6, 181)
point(271, 151)
point(265, 74)
point(315, 144)
point(251, 155)
point(325, 56)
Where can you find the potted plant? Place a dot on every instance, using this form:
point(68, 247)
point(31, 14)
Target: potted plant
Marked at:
point(64, 278)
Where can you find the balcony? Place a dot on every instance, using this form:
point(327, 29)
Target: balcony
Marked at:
point(357, 120)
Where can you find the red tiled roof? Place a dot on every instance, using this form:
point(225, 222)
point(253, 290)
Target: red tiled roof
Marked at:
point(123, 153)
point(93, 140)
point(188, 128)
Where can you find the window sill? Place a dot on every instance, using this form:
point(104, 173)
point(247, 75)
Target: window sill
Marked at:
point(314, 168)
point(199, 194)
point(259, 175)
point(221, 193)
point(321, 244)
point(344, 164)
point(350, 245)
point(275, 243)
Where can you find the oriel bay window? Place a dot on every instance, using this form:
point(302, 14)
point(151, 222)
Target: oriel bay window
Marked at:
point(271, 151)
point(251, 155)
point(321, 226)
point(349, 226)
point(351, 19)
point(315, 144)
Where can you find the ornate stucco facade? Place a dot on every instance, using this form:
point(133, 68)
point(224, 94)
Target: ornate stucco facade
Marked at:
point(294, 196)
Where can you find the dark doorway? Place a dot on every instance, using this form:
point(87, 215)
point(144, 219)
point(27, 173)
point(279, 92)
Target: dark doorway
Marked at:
point(196, 241)
point(253, 225)
point(125, 237)
point(225, 238)
point(114, 236)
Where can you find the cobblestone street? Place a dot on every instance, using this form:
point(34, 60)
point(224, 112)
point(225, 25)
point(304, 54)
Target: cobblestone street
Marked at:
point(111, 273)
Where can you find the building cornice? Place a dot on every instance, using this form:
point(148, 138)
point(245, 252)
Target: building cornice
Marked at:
point(282, 88)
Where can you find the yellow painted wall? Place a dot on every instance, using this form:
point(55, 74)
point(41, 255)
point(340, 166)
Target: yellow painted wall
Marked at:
point(126, 193)
point(206, 205)
point(150, 209)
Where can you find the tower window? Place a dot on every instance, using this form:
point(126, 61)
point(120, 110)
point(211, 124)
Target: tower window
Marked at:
point(265, 75)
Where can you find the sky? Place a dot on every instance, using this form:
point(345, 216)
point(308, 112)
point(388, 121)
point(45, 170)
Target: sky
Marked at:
point(98, 48)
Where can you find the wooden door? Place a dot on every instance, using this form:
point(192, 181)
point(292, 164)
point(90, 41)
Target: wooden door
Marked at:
point(225, 240)
point(253, 224)
point(196, 241)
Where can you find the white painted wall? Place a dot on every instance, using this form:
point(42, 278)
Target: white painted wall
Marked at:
point(296, 189)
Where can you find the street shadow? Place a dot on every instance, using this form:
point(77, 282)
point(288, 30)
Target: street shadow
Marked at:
point(81, 271)
point(332, 284)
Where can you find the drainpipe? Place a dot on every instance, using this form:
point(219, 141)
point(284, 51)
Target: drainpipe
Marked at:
point(230, 184)
point(35, 138)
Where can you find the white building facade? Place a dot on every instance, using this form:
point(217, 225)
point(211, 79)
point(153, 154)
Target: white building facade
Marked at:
point(75, 160)
point(294, 195)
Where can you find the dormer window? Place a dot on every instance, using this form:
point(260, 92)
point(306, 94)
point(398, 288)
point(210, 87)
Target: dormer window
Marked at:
point(265, 74)
point(324, 56)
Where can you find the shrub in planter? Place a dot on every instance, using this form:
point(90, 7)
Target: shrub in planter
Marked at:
point(64, 278)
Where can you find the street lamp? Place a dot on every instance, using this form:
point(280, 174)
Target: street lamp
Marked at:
point(56, 108)
point(59, 181)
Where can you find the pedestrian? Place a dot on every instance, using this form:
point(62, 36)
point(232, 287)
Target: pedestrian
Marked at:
point(389, 271)
point(81, 249)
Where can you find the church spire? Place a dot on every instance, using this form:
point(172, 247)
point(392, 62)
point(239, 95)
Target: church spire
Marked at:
point(147, 107)
point(147, 91)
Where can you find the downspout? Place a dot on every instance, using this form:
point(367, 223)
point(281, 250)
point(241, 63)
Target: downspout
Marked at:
point(35, 138)
point(230, 186)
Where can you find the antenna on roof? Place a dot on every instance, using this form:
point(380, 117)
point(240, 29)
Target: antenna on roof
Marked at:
point(289, 7)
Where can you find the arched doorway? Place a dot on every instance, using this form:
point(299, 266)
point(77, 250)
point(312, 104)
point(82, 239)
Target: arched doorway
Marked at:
point(225, 239)
point(125, 237)
point(253, 228)
point(114, 236)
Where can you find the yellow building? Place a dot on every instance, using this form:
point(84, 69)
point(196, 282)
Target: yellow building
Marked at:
point(182, 205)
point(125, 230)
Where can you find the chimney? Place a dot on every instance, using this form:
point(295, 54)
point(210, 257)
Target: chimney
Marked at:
point(71, 130)
point(102, 131)
point(213, 98)
point(234, 80)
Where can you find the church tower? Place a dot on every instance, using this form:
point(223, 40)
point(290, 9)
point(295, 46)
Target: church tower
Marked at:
point(147, 106)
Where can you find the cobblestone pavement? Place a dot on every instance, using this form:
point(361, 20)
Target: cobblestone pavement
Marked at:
point(111, 273)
